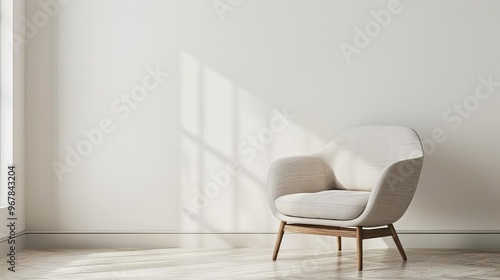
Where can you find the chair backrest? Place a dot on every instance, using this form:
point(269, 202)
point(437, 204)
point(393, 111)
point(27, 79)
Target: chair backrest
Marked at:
point(359, 156)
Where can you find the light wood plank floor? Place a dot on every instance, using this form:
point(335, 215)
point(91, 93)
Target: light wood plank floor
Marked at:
point(251, 264)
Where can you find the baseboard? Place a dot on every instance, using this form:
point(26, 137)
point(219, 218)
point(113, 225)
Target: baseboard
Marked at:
point(19, 245)
point(113, 240)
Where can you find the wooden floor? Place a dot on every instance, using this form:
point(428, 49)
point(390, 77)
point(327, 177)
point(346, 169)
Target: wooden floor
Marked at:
point(251, 264)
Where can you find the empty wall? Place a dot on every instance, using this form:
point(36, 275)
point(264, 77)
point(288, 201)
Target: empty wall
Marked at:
point(163, 117)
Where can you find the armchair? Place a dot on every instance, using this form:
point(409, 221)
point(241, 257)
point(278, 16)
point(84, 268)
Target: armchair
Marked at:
point(357, 186)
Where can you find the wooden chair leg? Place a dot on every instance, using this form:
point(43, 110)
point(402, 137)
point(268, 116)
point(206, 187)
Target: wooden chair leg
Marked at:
point(281, 231)
point(398, 243)
point(359, 241)
point(339, 243)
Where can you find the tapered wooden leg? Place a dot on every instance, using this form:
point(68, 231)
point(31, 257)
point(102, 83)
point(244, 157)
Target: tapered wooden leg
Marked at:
point(281, 231)
point(339, 243)
point(359, 241)
point(398, 243)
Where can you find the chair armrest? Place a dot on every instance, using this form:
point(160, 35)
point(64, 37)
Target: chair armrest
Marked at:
point(298, 174)
point(392, 196)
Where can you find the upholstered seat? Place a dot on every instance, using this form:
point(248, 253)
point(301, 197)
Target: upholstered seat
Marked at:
point(357, 186)
point(334, 204)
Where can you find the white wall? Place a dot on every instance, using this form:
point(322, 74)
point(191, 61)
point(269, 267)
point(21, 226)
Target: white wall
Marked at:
point(227, 73)
point(40, 130)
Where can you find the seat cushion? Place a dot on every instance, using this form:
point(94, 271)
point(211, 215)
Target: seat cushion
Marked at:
point(332, 204)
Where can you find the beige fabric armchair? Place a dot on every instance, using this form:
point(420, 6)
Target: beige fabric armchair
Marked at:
point(357, 186)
